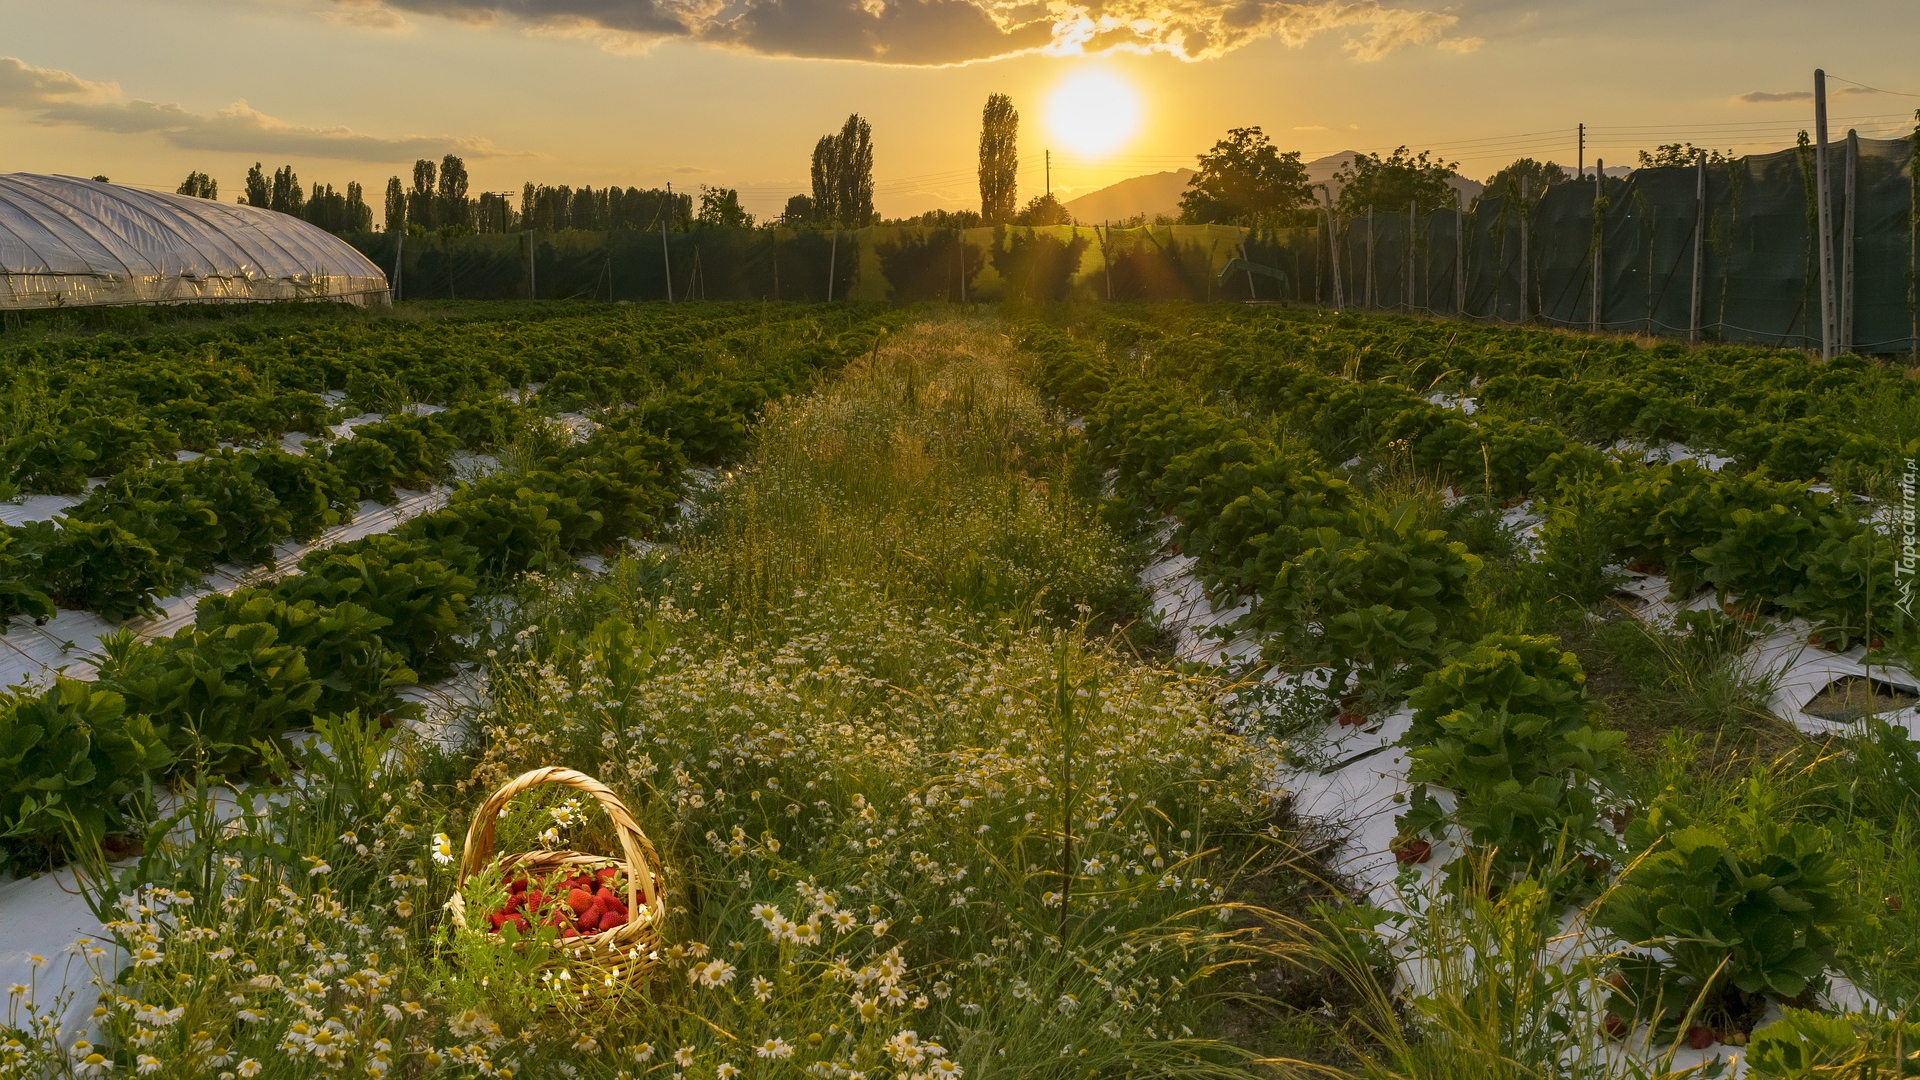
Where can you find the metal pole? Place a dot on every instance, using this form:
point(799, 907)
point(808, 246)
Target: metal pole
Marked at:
point(1599, 242)
point(1845, 337)
point(1252, 293)
point(399, 259)
point(1526, 248)
point(1694, 331)
point(1580, 169)
point(1369, 283)
point(962, 233)
point(1823, 193)
point(833, 256)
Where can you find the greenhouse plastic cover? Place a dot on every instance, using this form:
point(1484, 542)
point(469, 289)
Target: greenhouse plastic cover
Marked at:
point(68, 242)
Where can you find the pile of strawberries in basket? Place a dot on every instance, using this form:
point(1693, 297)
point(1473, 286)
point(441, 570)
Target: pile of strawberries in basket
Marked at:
point(584, 903)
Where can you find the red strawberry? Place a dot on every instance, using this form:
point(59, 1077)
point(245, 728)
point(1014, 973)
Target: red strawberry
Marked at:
point(611, 919)
point(615, 906)
point(1410, 852)
point(1614, 1026)
point(579, 900)
point(1700, 1037)
point(517, 885)
point(1352, 719)
point(497, 920)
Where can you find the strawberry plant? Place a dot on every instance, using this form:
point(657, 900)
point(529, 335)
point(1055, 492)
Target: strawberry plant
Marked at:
point(341, 644)
point(1806, 1045)
point(71, 760)
point(213, 695)
point(100, 566)
point(1382, 594)
point(420, 588)
point(1738, 923)
point(21, 583)
point(1508, 729)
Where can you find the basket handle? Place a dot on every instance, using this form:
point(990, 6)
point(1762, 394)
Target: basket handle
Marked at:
point(642, 886)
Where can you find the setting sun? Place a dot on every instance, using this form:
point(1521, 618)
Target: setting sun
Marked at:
point(1093, 112)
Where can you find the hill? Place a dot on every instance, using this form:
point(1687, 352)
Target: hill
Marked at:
point(1159, 193)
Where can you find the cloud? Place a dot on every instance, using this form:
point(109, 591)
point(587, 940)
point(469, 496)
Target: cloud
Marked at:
point(1761, 97)
point(932, 32)
point(55, 98)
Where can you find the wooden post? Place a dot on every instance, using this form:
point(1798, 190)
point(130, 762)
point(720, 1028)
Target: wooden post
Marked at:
point(1369, 283)
point(666, 260)
point(963, 265)
point(399, 259)
point(1823, 194)
point(1459, 258)
point(1526, 248)
point(446, 244)
point(773, 247)
point(1599, 243)
point(1106, 255)
point(1694, 329)
point(1844, 336)
point(1333, 249)
point(833, 257)
point(1252, 293)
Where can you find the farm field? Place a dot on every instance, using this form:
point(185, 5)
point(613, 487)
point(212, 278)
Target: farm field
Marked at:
point(1088, 690)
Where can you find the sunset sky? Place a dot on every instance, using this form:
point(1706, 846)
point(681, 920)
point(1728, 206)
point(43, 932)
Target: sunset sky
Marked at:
point(735, 92)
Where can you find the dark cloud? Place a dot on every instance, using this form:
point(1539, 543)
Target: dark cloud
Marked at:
point(57, 97)
point(1761, 97)
point(961, 31)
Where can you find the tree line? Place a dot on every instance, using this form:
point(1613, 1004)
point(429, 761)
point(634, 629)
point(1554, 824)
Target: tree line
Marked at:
point(1243, 179)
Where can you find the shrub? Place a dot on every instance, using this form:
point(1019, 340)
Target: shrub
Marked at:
point(214, 694)
point(1508, 729)
point(70, 759)
point(1738, 924)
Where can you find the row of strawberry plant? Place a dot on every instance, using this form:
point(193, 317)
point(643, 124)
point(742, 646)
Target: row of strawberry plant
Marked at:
point(83, 407)
point(1777, 546)
point(1775, 408)
point(153, 528)
point(79, 761)
point(1510, 761)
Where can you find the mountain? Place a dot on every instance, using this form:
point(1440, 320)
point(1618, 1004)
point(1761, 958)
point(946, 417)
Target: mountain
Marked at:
point(1158, 193)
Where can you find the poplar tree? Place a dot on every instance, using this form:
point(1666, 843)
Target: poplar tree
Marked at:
point(396, 205)
point(843, 174)
point(452, 194)
point(420, 200)
point(199, 185)
point(999, 158)
point(258, 193)
point(286, 196)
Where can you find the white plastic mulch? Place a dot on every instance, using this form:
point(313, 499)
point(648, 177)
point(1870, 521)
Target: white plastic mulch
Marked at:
point(1353, 780)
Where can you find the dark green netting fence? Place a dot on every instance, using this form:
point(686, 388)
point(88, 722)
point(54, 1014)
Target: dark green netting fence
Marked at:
point(1747, 225)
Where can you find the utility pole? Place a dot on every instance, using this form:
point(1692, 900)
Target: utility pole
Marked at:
point(666, 215)
point(833, 257)
point(1823, 192)
point(1580, 166)
point(1459, 255)
point(1049, 174)
point(1413, 228)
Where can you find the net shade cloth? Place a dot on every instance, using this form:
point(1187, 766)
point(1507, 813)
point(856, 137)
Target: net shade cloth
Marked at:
point(70, 242)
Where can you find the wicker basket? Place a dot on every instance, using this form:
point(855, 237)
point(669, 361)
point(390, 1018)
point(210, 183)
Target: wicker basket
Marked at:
point(624, 951)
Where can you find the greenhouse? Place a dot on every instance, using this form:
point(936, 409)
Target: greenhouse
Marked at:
point(69, 242)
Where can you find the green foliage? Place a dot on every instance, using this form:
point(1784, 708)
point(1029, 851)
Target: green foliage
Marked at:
point(312, 492)
point(21, 583)
point(341, 644)
point(1394, 182)
point(1741, 921)
point(214, 694)
point(1244, 180)
point(1805, 1045)
point(100, 566)
point(420, 588)
point(70, 760)
point(1507, 728)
